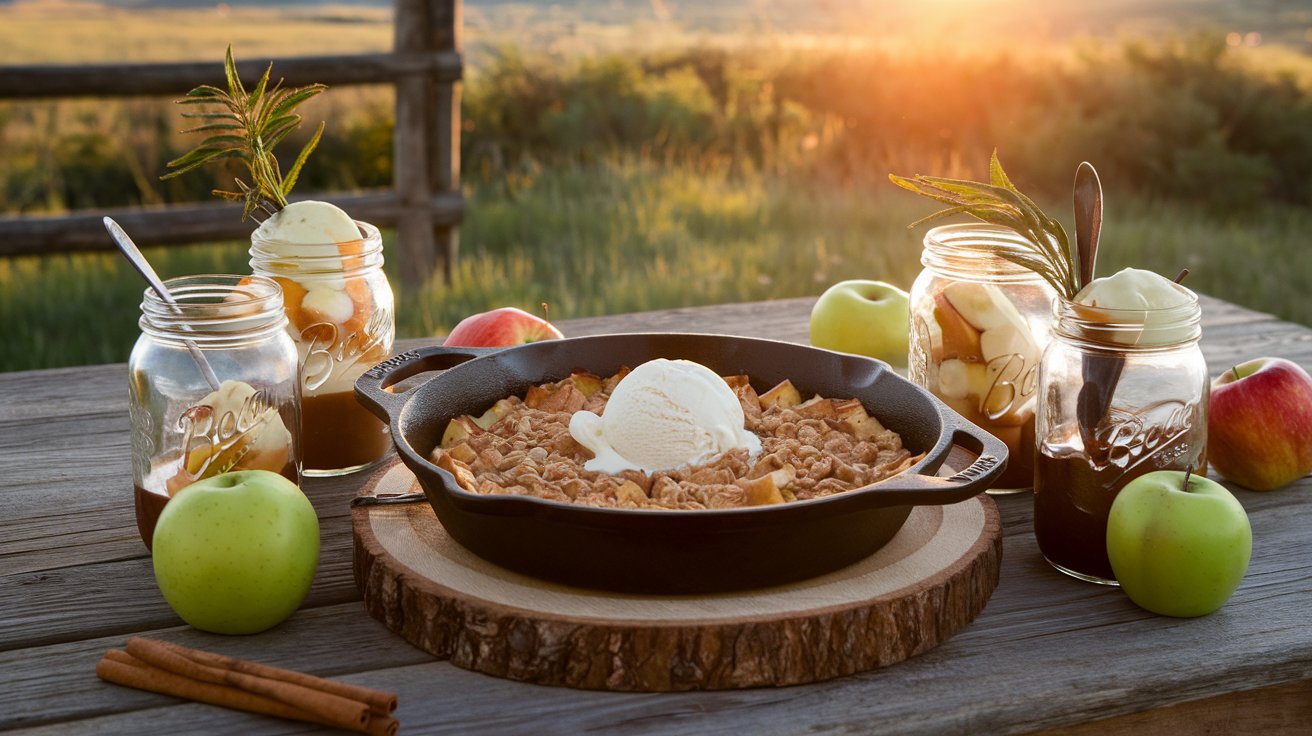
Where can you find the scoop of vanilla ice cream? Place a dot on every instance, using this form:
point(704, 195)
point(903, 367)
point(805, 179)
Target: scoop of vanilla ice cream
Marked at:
point(1135, 297)
point(664, 414)
point(309, 222)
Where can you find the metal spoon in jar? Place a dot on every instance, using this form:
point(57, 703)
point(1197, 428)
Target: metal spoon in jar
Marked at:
point(142, 266)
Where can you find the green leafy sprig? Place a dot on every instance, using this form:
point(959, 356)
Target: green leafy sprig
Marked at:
point(1001, 203)
point(248, 126)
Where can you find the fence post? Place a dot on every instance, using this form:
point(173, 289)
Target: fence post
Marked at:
point(444, 160)
point(427, 138)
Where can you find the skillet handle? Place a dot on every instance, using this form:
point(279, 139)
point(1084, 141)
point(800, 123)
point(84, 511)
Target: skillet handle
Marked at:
point(372, 388)
point(968, 482)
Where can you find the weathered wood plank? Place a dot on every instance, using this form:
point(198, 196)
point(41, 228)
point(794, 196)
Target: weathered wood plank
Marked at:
point(52, 683)
point(106, 532)
point(202, 223)
point(175, 78)
point(52, 607)
point(943, 692)
point(1272, 711)
point(37, 396)
point(47, 602)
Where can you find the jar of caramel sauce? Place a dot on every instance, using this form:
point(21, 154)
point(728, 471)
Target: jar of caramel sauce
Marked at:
point(213, 388)
point(1121, 393)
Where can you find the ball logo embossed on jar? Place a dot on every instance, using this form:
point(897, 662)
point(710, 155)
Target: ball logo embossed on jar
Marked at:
point(218, 440)
point(144, 446)
point(328, 352)
point(1131, 437)
point(919, 360)
point(1012, 387)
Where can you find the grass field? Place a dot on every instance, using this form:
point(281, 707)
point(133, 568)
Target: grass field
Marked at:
point(621, 226)
point(622, 237)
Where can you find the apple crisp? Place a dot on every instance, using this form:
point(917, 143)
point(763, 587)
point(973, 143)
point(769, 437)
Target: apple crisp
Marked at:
point(810, 449)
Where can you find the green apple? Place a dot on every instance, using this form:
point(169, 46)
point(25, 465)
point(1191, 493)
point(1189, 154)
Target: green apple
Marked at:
point(868, 318)
point(236, 553)
point(1179, 543)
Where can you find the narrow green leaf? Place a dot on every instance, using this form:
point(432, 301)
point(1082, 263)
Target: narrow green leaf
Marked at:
point(997, 175)
point(295, 171)
point(235, 90)
point(937, 216)
point(184, 168)
point(281, 120)
point(294, 98)
point(213, 116)
point(258, 92)
point(224, 141)
point(214, 126)
point(195, 154)
point(203, 93)
point(276, 136)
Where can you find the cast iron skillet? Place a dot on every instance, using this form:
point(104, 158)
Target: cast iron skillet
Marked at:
point(689, 551)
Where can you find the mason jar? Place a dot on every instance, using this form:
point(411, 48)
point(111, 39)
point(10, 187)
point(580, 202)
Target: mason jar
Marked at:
point(1122, 393)
point(979, 324)
point(213, 387)
point(339, 309)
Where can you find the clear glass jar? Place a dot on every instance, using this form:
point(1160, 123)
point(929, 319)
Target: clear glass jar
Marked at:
point(213, 384)
point(1122, 393)
point(340, 315)
point(979, 324)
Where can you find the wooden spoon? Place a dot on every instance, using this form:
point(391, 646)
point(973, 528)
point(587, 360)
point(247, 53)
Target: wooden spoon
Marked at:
point(1088, 219)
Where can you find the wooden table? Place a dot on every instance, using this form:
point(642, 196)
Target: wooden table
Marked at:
point(1047, 653)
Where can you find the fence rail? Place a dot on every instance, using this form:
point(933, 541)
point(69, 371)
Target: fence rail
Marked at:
point(424, 202)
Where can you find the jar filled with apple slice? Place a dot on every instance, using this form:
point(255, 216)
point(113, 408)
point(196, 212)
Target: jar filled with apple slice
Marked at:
point(1123, 392)
point(213, 388)
point(339, 308)
point(979, 324)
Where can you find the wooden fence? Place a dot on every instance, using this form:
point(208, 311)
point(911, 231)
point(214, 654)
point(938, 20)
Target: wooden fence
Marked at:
point(424, 204)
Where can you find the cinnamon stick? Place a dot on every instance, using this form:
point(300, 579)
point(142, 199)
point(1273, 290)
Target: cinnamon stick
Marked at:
point(379, 701)
point(194, 674)
point(340, 710)
point(122, 668)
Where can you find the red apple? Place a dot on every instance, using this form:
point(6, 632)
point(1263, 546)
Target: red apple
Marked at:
point(502, 327)
point(1259, 423)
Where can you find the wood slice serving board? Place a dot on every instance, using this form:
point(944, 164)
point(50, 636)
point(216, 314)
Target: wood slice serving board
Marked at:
point(926, 584)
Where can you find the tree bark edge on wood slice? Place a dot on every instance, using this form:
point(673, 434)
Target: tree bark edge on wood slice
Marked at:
point(663, 656)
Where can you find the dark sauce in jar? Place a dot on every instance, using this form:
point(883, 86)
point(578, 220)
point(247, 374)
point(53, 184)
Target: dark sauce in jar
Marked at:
point(150, 505)
point(338, 432)
point(1072, 500)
